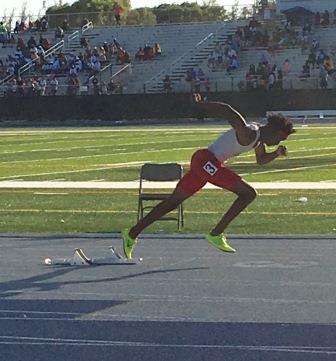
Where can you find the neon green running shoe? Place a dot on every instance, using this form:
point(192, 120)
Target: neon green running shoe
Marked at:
point(220, 242)
point(128, 243)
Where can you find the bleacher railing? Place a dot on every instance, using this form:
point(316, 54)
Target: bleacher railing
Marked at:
point(77, 33)
point(174, 64)
point(47, 53)
point(187, 55)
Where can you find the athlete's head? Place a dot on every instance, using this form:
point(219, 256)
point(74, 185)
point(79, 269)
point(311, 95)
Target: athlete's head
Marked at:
point(278, 128)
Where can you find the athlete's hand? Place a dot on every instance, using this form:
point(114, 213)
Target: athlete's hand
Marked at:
point(281, 150)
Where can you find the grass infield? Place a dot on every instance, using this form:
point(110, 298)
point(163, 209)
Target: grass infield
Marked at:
point(116, 154)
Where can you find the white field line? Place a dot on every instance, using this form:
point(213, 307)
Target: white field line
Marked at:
point(157, 128)
point(112, 211)
point(158, 151)
point(108, 166)
point(153, 185)
point(68, 139)
point(289, 169)
point(95, 156)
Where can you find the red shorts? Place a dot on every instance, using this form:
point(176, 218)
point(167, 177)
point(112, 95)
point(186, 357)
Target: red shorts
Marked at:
point(205, 167)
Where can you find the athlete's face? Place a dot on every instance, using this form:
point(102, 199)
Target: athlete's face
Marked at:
point(274, 136)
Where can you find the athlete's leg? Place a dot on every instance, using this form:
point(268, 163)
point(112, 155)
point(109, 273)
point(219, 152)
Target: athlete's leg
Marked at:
point(246, 194)
point(177, 197)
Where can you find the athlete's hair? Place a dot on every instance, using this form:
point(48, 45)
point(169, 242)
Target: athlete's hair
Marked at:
point(279, 121)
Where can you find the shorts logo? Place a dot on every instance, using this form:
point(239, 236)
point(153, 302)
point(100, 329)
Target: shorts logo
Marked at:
point(210, 168)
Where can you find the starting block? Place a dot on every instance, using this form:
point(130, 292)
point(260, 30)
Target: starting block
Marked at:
point(80, 259)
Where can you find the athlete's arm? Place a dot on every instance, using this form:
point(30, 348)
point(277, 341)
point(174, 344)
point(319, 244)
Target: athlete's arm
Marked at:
point(263, 157)
point(221, 110)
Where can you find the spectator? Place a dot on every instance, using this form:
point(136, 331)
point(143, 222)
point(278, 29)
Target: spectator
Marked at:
point(167, 86)
point(286, 67)
point(329, 65)
point(17, 27)
point(271, 79)
point(315, 45)
point(325, 18)
point(53, 86)
point(312, 59)
point(96, 86)
point(140, 54)
point(317, 19)
point(84, 43)
point(320, 57)
point(305, 71)
point(31, 42)
point(323, 78)
point(59, 33)
point(111, 86)
point(20, 87)
point(200, 74)
point(118, 11)
point(65, 25)
point(44, 24)
point(157, 49)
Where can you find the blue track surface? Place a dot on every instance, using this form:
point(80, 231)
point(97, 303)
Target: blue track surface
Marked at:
point(273, 300)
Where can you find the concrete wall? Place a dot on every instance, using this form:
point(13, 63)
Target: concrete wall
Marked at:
point(83, 110)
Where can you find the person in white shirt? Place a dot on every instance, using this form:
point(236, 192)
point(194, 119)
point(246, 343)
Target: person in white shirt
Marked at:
point(208, 165)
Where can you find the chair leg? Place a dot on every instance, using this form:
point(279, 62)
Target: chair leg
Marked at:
point(139, 209)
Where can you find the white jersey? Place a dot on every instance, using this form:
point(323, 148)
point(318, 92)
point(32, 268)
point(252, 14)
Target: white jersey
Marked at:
point(227, 146)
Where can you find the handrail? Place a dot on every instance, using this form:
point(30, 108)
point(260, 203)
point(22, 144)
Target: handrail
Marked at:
point(83, 29)
point(179, 59)
point(86, 27)
point(47, 53)
point(121, 70)
point(73, 36)
point(188, 53)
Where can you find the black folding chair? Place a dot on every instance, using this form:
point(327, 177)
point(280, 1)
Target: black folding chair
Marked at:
point(159, 173)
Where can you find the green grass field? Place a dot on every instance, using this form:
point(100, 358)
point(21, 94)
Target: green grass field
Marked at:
point(116, 154)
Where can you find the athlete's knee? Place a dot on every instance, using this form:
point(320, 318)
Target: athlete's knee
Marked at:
point(247, 193)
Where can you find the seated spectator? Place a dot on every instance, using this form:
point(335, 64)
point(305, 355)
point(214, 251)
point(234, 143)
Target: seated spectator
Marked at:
point(305, 71)
point(320, 57)
point(157, 49)
point(329, 65)
point(233, 65)
point(140, 54)
point(31, 42)
point(317, 19)
point(84, 43)
point(44, 42)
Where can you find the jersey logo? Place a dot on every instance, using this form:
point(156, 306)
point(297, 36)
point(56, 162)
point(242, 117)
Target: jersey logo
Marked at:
point(210, 168)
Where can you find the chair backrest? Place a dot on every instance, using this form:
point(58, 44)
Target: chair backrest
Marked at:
point(161, 172)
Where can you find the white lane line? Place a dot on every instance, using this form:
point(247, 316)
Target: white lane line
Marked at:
point(111, 343)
